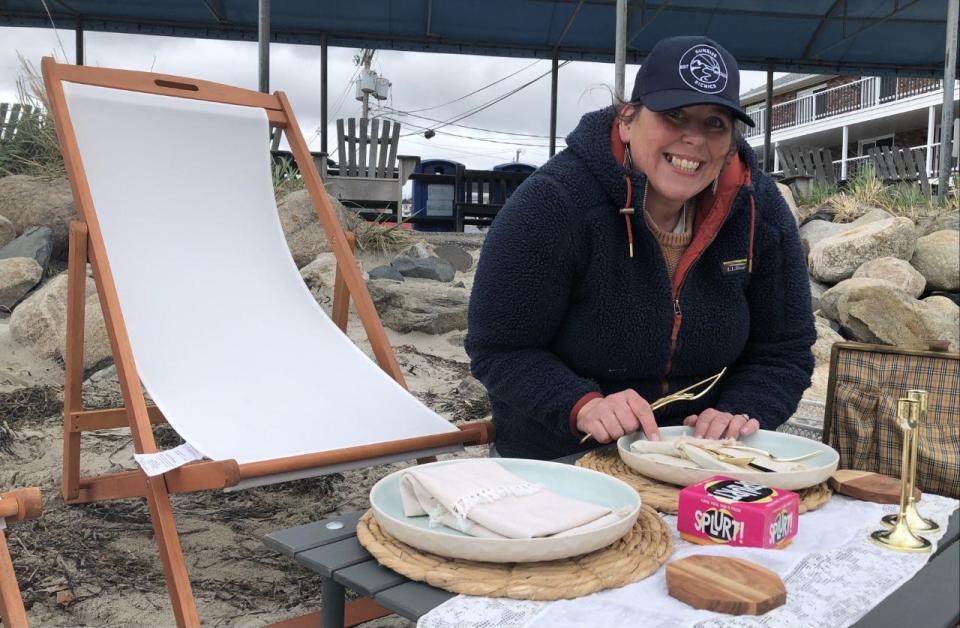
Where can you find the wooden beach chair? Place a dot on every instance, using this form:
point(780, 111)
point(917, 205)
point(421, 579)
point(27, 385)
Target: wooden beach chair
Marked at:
point(370, 173)
point(205, 308)
point(17, 505)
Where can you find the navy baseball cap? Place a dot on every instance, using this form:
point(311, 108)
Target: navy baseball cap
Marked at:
point(689, 70)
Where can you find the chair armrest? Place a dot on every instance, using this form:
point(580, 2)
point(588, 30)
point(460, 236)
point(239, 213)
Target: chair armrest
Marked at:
point(406, 165)
point(320, 159)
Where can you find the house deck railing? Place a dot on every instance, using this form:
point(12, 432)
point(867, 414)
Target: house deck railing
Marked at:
point(866, 93)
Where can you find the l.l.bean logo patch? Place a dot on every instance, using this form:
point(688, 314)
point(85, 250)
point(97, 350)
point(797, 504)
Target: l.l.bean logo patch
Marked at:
point(732, 266)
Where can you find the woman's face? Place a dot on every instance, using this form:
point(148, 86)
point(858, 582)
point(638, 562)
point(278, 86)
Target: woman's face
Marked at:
point(681, 151)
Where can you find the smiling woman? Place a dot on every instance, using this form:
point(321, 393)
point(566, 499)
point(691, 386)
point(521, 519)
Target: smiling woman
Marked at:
point(651, 253)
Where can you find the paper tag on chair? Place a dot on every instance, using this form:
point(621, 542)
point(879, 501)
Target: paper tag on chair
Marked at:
point(163, 461)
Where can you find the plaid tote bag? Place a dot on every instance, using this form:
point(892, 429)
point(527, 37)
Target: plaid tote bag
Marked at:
point(860, 419)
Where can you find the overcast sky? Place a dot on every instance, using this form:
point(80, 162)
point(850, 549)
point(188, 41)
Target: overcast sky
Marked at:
point(420, 82)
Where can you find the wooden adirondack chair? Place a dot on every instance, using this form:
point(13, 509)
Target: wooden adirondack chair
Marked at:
point(370, 173)
point(813, 164)
point(10, 116)
point(901, 166)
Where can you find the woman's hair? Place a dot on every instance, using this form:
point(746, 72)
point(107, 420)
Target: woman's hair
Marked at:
point(621, 106)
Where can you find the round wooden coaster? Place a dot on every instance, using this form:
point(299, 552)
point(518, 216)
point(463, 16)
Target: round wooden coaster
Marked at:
point(640, 553)
point(664, 497)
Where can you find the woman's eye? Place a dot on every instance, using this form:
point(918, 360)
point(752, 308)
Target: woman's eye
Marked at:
point(675, 115)
point(715, 123)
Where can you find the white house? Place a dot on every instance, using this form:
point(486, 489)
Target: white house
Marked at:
point(850, 115)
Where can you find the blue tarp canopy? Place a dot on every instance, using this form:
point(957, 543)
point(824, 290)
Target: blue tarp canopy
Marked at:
point(860, 37)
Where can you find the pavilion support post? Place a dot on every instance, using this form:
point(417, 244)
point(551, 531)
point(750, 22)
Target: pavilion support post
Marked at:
point(768, 123)
point(323, 94)
point(946, 118)
point(620, 53)
point(79, 40)
point(263, 42)
point(844, 152)
point(554, 76)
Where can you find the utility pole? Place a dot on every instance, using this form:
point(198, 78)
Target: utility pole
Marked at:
point(366, 56)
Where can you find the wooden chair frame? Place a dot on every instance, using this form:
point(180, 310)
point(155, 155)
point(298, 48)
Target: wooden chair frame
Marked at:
point(86, 244)
point(17, 505)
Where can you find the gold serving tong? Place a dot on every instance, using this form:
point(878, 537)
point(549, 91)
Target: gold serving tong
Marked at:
point(684, 394)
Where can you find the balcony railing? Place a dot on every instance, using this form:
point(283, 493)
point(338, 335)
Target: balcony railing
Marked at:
point(872, 91)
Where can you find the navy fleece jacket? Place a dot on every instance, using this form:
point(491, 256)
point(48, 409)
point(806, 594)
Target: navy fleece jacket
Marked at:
point(559, 309)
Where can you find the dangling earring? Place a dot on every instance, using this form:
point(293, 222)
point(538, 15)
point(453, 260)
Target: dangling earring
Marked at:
point(716, 182)
point(627, 157)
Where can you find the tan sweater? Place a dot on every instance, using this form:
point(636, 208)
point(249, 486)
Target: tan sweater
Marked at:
point(672, 245)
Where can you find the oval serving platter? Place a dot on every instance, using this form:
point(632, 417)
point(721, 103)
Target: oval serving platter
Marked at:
point(563, 479)
point(684, 473)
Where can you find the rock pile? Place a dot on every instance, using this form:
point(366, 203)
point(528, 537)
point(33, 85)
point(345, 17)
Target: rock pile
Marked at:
point(883, 279)
point(880, 279)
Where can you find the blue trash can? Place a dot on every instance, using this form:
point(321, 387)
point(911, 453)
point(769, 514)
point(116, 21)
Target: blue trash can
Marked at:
point(434, 194)
point(513, 166)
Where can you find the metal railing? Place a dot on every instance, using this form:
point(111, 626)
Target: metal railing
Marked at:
point(868, 92)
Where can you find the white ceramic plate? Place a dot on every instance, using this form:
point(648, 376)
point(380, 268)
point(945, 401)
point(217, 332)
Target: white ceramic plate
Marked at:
point(819, 467)
point(563, 479)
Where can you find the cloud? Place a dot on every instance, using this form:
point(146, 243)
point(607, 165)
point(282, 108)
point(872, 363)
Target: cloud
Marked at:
point(420, 80)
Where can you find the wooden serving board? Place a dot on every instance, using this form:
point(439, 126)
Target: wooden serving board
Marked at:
point(868, 486)
point(725, 585)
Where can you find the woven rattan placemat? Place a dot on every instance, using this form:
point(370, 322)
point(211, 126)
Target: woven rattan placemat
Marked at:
point(663, 497)
point(631, 559)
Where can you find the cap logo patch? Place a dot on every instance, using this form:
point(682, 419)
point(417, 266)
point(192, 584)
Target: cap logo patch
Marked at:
point(703, 69)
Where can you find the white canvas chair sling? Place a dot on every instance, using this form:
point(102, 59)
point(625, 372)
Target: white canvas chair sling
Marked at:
point(204, 305)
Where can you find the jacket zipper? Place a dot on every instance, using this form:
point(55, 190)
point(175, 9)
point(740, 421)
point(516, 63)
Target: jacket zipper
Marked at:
point(677, 313)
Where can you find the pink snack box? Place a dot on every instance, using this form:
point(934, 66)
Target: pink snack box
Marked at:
point(733, 512)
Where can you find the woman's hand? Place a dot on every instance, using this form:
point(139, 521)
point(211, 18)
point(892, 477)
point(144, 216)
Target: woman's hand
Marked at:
point(716, 424)
point(608, 418)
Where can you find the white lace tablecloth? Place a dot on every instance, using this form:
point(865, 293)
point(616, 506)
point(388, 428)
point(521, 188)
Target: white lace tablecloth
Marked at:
point(833, 574)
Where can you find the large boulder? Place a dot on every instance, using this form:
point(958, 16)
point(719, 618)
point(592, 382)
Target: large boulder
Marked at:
point(38, 201)
point(826, 337)
point(40, 323)
point(7, 231)
point(949, 220)
point(320, 275)
point(816, 291)
point(302, 229)
point(873, 310)
point(897, 271)
point(791, 203)
point(835, 258)
point(937, 257)
point(945, 307)
point(816, 230)
point(420, 305)
point(35, 242)
point(18, 275)
point(424, 268)
point(456, 255)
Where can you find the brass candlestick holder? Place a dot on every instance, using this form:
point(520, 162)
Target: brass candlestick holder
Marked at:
point(900, 538)
point(916, 521)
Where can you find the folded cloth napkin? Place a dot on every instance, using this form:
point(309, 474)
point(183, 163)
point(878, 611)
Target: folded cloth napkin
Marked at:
point(481, 498)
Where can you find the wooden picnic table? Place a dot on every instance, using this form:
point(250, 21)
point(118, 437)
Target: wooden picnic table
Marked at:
point(330, 549)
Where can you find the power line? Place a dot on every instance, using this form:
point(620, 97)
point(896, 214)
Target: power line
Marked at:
point(476, 91)
point(494, 101)
point(472, 128)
